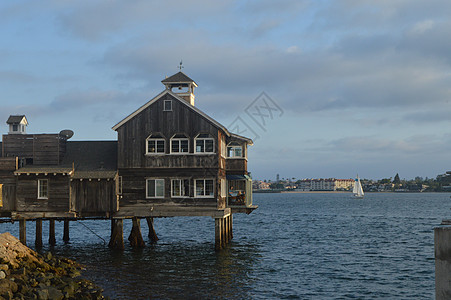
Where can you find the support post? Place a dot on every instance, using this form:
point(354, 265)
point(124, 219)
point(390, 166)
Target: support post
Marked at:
point(23, 231)
point(66, 231)
point(218, 235)
point(226, 230)
point(117, 235)
point(152, 234)
point(38, 240)
point(223, 232)
point(52, 239)
point(231, 226)
point(442, 245)
point(135, 237)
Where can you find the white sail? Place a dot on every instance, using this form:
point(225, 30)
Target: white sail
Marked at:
point(357, 190)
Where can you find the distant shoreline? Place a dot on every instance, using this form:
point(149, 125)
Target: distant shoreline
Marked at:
point(332, 192)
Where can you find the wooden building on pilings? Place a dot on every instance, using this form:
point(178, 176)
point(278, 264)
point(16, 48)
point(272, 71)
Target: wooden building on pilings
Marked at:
point(170, 159)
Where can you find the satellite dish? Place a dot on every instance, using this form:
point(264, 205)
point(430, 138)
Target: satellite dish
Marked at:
point(67, 133)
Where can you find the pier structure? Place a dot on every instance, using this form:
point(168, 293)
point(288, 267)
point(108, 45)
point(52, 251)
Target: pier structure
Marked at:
point(170, 159)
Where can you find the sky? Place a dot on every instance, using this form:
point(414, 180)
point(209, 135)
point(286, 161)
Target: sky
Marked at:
point(325, 88)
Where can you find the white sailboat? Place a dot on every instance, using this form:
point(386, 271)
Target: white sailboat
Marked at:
point(357, 191)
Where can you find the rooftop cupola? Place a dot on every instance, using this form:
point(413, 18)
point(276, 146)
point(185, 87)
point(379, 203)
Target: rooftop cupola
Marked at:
point(181, 85)
point(17, 124)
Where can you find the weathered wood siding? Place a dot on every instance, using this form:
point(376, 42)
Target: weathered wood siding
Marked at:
point(236, 166)
point(93, 196)
point(134, 186)
point(27, 193)
point(44, 149)
point(132, 136)
point(8, 181)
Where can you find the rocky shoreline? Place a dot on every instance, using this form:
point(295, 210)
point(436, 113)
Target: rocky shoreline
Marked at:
point(25, 274)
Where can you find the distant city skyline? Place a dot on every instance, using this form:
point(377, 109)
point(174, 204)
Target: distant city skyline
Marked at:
point(325, 88)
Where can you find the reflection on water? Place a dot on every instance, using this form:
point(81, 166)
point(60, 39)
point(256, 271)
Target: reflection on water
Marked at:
point(320, 246)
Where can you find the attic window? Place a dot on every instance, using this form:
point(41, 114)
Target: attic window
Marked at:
point(204, 143)
point(167, 105)
point(234, 150)
point(155, 144)
point(179, 144)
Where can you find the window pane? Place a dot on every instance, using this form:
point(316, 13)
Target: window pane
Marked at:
point(159, 188)
point(176, 188)
point(184, 146)
point(237, 152)
point(199, 187)
point(160, 146)
point(208, 187)
point(185, 187)
point(175, 146)
point(229, 152)
point(150, 188)
point(42, 189)
point(167, 105)
point(208, 145)
point(199, 145)
point(151, 146)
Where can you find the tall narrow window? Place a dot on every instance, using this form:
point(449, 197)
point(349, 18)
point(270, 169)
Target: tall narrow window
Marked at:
point(167, 105)
point(154, 188)
point(155, 144)
point(179, 188)
point(204, 143)
point(179, 144)
point(43, 189)
point(234, 150)
point(204, 187)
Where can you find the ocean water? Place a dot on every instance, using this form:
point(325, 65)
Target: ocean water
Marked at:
point(295, 246)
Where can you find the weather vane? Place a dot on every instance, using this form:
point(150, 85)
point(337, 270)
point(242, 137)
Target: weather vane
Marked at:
point(180, 66)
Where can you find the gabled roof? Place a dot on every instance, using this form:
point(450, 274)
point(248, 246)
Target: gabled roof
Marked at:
point(243, 138)
point(179, 77)
point(16, 119)
point(181, 100)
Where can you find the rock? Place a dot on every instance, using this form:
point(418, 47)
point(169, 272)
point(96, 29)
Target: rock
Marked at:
point(43, 294)
point(24, 274)
point(55, 294)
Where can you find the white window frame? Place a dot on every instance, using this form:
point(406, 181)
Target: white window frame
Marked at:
point(164, 105)
point(182, 182)
point(155, 196)
point(179, 140)
point(156, 140)
point(203, 139)
point(234, 146)
point(204, 188)
point(43, 194)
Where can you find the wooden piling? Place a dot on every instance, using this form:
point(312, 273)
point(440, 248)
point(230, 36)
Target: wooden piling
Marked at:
point(66, 231)
point(52, 239)
point(152, 234)
point(117, 234)
point(226, 230)
point(231, 226)
point(135, 237)
point(218, 234)
point(23, 231)
point(38, 240)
